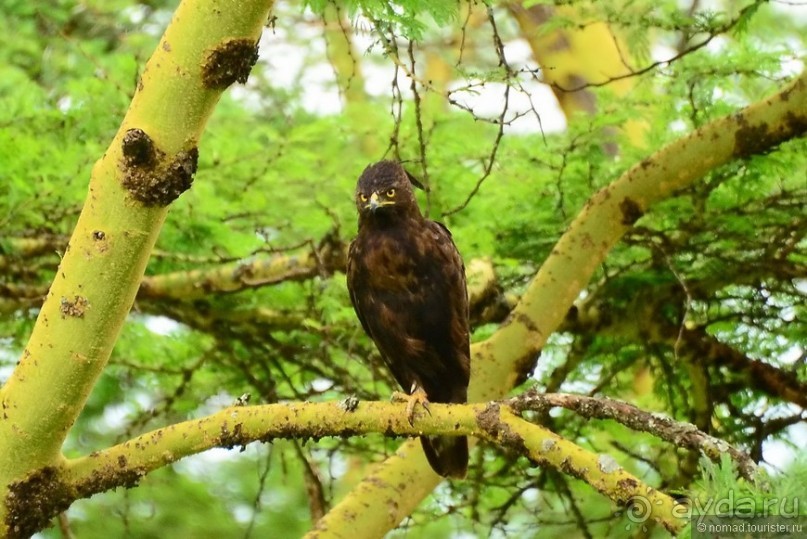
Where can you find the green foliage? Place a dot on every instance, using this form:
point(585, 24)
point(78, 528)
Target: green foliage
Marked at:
point(408, 17)
point(721, 491)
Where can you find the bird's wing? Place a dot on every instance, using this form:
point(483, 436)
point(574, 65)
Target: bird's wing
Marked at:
point(460, 293)
point(350, 273)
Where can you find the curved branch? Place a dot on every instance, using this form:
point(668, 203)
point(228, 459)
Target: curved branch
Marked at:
point(611, 212)
point(236, 276)
point(329, 257)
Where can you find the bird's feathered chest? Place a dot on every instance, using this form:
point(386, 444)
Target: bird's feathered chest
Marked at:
point(397, 257)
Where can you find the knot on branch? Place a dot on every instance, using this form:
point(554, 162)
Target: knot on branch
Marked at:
point(761, 138)
point(149, 175)
point(235, 438)
point(231, 61)
point(75, 308)
point(490, 421)
point(32, 502)
point(631, 211)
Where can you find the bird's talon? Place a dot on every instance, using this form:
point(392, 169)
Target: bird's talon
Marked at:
point(418, 396)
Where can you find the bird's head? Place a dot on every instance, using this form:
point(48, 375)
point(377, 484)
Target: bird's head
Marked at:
point(386, 187)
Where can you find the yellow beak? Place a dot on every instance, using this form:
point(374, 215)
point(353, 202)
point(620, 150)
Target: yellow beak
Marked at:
point(373, 204)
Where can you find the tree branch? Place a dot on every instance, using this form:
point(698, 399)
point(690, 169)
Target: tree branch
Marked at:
point(13, 250)
point(702, 348)
point(611, 212)
point(760, 375)
point(685, 435)
point(255, 272)
point(236, 276)
point(126, 463)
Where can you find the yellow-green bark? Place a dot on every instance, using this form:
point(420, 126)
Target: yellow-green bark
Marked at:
point(231, 277)
point(570, 58)
point(102, 267)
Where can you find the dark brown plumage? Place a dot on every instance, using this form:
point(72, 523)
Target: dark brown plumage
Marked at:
point(407, 284)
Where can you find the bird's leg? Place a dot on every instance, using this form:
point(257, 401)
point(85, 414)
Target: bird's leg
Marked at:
point(417, 396)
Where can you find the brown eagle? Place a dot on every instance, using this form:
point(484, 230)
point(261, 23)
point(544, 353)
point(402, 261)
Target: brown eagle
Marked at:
point(407, 284)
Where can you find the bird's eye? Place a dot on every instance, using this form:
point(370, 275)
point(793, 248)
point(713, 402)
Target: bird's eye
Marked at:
point(391, 193)
point(363, 197)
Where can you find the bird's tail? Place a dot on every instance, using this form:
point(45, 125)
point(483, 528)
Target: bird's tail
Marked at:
point(447, 455)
